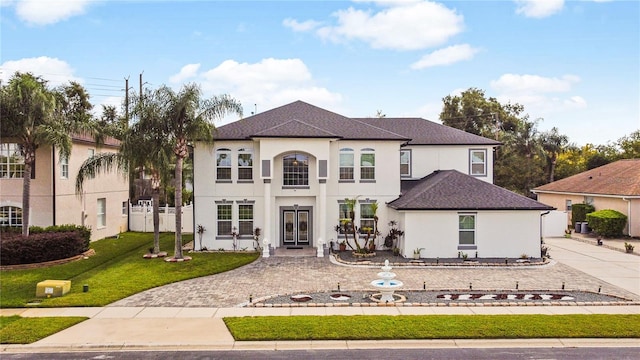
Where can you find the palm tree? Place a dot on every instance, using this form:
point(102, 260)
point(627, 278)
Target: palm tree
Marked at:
point(553, 143)
point(30, 115)
point(189, 117)
point(143, 147)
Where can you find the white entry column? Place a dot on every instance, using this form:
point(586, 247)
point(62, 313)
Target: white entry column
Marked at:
point(322, 213)
point(268, 236)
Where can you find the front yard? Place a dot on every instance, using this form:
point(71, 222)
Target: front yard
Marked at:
point(116, 271)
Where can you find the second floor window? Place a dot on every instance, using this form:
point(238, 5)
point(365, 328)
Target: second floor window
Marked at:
point(478, 162)
point(367, 164)
point(223, 164)
point(405, 163)
point(295, 170)
point(64, 167)
point(346, 164)
point(11, 161)
point(245, 164)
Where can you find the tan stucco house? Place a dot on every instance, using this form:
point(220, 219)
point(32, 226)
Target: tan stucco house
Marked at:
point(289, 170)
point(103, 206)
point(613, 186)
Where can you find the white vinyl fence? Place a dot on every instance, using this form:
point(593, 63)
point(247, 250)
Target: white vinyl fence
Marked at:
point(554, 223)
point(141, 218)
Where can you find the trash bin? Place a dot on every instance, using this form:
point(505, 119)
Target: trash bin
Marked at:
point(583, 228)
point(578, 227)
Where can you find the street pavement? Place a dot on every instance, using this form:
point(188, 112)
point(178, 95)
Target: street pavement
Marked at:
point(188, 315)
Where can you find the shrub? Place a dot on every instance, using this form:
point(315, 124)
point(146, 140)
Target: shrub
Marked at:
point(59, 242)
point(579, 212)
point(607, 222)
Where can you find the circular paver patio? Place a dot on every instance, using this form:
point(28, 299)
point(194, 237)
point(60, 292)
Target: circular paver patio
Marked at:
point(290, 275)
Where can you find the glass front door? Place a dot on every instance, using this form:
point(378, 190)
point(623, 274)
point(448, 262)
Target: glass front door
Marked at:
point(296, 227)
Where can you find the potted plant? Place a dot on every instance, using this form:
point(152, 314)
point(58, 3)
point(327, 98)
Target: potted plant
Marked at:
point(343, 245)
point(628, 247)
point(200, 229)
point(416, 253)
point(567, 233)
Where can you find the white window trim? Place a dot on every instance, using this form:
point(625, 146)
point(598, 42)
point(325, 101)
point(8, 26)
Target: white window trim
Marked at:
point(473, 246)
point(245, 151)
point(368, 151)
point(408, 151)
point(101, 214)
point(64, 167)
point(484, 163)
point(346, 151)
point(226, 152)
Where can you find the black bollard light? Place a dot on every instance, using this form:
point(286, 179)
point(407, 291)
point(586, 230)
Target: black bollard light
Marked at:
point(563, 285)
point(599, 289)
point(250, 299)
point(85, 288)
point(424, 285)
point(517, 285)
point(470, 286)
point(338, 286)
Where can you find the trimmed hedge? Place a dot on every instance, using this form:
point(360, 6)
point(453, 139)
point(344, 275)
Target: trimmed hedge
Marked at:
point(607, 222)
point(579, 213)
point(51, 243)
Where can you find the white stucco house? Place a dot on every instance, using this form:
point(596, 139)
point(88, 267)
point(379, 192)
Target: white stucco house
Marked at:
point(289, 170)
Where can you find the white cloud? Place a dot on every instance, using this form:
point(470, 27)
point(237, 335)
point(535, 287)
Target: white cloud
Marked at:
point(41, 12)
point(399, 25)
point(300, 26)
point(188, 71)
point(540, 95)
point(446, 56)
point(54, 70)
point(267, 83)
point(538, 8)
point(514, 83)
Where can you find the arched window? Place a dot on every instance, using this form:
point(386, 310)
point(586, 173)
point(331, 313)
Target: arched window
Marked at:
point(223, 164)
point(245, 164)
point(10, 216)
point(295, 170)
point(346, 164)
point(367, 164)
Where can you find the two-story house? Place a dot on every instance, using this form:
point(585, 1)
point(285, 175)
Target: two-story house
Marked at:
point(289, 170)
point(103, 206)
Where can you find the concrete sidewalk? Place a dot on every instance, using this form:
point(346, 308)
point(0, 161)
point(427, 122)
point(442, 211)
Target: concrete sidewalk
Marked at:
point(133, 328)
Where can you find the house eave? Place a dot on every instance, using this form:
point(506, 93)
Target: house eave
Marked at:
point(475, 209)
point(585, 194)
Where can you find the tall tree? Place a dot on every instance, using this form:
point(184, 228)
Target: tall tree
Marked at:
point(143, 147)
point(188, 117)
point(32, 116)
point(553, 143)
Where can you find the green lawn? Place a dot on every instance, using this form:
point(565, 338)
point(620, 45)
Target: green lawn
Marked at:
point(115, 272)
point(19, 330)
point(364, 327)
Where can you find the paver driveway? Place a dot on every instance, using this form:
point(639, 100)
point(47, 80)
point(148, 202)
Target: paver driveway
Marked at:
point(289, 275)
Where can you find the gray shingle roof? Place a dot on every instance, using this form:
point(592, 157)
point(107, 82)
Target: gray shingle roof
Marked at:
point(425, 132)
point(303, 120)
point(453, 190)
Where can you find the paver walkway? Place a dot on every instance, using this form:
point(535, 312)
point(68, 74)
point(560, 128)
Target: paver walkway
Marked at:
point(286, 275)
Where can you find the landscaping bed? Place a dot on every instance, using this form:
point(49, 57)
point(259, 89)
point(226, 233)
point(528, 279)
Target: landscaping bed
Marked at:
point(445, 298)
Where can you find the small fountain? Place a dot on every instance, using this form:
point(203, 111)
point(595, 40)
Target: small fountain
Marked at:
point(387, 285)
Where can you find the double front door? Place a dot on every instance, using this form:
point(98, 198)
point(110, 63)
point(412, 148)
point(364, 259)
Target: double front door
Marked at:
point(296, 227)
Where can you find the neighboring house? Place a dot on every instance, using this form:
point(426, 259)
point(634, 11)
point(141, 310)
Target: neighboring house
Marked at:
point(103, 206)
point(289, 170)
point(613, 186)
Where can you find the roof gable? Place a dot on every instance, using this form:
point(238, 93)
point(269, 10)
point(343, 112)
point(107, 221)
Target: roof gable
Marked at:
point(453, 190)
point(617, 178)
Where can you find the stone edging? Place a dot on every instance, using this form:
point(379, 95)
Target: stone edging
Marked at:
point(451, 304)
point(87, 253)
point(470, 263)
point(595, 242)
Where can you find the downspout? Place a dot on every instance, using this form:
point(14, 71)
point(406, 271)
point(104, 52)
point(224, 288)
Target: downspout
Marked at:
point(53, 183)
point(628, 215)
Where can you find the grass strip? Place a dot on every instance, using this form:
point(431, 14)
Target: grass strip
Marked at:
point(115, 272)
point(370, 327)
point(21, 330)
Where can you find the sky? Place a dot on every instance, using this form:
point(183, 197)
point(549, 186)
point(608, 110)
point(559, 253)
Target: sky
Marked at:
point(574, 65)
